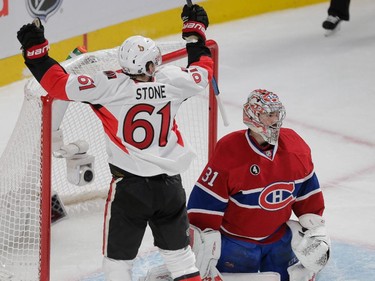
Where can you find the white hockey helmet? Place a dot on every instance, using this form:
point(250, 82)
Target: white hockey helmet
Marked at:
point(263, 102)
point(135, 54)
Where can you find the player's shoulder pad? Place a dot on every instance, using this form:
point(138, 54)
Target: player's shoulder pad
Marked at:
point(232, 137)
point(293, 141)
point(167, 71)
point(230, 143)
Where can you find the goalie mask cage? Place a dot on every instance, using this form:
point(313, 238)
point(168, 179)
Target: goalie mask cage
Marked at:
point(29, 174)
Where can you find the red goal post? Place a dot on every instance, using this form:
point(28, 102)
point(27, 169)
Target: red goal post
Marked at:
point(29, 175)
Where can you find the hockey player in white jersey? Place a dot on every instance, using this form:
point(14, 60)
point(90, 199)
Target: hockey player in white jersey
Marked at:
point(146, 152)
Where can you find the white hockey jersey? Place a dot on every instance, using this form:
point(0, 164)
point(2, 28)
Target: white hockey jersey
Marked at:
point(138, 117)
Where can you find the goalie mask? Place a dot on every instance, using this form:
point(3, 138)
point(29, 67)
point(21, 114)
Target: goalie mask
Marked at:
point(136, 53)
point(260, 105)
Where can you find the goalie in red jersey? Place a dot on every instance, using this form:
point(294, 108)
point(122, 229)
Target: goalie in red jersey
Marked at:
point(255, 180)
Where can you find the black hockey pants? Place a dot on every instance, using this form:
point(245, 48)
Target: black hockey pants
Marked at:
point(133, 202)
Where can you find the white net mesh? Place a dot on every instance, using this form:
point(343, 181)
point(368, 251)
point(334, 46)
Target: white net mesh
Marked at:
point(21, 164)
point(19, 196)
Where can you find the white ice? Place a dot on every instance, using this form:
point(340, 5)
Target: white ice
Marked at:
point(328, 87)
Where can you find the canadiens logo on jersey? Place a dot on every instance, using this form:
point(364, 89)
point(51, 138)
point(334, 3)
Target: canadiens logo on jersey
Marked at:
point(42, 9)
point(276, 196)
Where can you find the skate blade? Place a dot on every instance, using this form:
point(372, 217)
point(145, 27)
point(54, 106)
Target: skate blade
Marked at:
point(333, 31)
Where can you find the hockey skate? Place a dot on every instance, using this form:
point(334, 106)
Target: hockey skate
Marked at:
point(331, 25)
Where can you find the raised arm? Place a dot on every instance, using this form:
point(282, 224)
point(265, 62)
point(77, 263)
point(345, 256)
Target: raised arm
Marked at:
point(196, 21)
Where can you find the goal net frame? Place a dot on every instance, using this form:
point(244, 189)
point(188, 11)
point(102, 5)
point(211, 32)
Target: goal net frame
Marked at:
point(46, 160)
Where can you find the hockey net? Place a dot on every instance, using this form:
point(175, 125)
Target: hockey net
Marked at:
point(29, 174)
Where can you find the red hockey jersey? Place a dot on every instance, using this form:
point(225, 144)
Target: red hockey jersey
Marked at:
point(250, 194)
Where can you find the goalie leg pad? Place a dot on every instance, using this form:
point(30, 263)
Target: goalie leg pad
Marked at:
point(206, 246)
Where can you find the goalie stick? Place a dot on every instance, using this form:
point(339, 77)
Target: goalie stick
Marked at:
point(216, 89)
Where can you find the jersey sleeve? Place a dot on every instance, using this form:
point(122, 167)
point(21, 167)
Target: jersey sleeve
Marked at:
point(200, 55)
point(209, 197)
point(189, 81)
point(310, 198)
point(94, 89)
point(195, 78)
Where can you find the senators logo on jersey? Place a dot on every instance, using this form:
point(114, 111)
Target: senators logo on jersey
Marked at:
point(42, 9)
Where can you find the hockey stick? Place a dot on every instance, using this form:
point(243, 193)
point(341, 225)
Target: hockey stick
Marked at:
point(216, 89)
point(37, 22)
point(219, 103)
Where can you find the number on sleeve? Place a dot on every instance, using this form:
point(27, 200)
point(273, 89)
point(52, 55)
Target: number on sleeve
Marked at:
point(196, 75)
point(86, 82)
point(210, 176)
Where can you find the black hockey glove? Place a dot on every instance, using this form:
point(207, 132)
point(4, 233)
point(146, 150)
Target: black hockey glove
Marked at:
point(34, 45)
point(35, 48)
point(195, 21)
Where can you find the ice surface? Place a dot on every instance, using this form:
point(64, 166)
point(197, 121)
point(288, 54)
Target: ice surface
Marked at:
point(327, 85)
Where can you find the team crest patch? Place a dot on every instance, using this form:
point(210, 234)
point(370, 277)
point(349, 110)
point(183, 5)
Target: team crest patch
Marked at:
point(254, 170)
point(42, 9)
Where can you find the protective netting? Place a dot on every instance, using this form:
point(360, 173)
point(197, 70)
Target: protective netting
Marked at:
point(21, 164)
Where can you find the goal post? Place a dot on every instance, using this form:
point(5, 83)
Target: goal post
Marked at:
point(29, 174)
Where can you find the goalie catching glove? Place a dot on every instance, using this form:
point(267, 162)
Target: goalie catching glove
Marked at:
point(310, 241)
point(195, 23)
point(206, 246)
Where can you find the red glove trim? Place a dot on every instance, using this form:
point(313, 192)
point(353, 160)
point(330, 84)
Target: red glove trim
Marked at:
point(195, 27)
point(37, 51)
